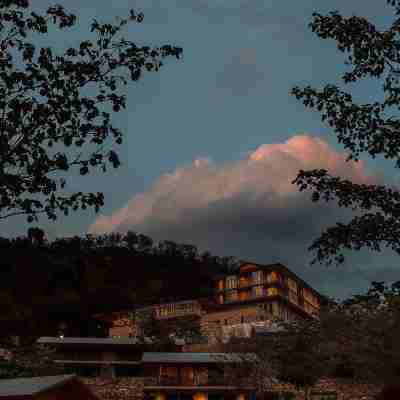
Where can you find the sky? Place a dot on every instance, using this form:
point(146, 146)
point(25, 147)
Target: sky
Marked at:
point(213, 141)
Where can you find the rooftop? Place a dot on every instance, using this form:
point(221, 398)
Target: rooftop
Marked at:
point(205, 358)
point(123, 341)
point(31, 386)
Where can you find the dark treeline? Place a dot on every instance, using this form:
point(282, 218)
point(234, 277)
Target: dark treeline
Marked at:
point(44, 283)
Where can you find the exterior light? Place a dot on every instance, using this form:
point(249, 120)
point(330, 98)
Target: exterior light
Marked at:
point(200, 396)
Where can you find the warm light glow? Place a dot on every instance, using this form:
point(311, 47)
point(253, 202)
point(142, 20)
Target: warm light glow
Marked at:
point(221, 285)
point(243, 296)
point(241, 396)
point(160, 396)
point(200, 396)
point(272, 291)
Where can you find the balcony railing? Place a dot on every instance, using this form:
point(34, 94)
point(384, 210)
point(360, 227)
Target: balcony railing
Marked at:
point(177, 310)
point(185, 381)
point(251, 282)
point(253, 296)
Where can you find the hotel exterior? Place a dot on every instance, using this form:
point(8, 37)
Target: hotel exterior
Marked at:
point(252, 297)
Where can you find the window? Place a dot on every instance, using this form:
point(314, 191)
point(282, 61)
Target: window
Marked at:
point(272, 291)
point(168, 373)
point(258, 291)
point(242, 319)
point(255, 277)
point(220, 284)
point(187, 376)
point(231, 282)
point(273, 277)
point(226, 322)
point(245, 295)
point(231, 296)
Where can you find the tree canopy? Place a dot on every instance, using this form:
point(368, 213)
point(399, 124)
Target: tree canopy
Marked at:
point(363, 128)
point(68, 279)
point(56, 107)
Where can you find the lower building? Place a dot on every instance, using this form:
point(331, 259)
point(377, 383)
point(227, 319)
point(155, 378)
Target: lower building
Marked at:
point(194, 376)
point(105, 357)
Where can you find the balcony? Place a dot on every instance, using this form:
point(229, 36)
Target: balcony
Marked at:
point(180, 309)
point(186, 381)
point(255, 294)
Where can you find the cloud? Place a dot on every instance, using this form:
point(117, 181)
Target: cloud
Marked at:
point(247, 208)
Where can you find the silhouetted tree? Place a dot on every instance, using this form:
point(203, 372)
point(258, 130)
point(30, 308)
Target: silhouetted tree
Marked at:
point(70, 278)
point(369, 127)
point(56, 108)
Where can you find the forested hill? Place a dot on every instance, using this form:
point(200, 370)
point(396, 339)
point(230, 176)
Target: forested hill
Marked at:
point(80, 276)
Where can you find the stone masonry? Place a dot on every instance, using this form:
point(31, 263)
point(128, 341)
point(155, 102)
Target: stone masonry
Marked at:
point(132, 389)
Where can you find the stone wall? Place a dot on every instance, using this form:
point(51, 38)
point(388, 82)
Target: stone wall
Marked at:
point(116, 389)
point(345, 389)
point(132, 389)
point(212, 322)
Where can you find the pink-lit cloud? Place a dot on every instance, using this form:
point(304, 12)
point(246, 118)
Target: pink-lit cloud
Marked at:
point(248, 208)
point(264, 178)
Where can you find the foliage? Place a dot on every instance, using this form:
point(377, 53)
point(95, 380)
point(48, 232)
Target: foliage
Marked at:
point(372, 329)
point(56, 108)
point(300, 354)
point(356, 339)
point(70, 278)
point(28, 360)
point(370, 128)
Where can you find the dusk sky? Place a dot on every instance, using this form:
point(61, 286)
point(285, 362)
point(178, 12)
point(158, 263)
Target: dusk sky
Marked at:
point(213, 141)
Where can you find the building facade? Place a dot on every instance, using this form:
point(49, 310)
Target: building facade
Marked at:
point(255, 295)
point(258, 295)
point(193, 376)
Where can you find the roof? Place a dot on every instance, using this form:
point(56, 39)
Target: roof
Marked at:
point(31, 386)
point(88, 341)
point(196, 357)
point(97, 362)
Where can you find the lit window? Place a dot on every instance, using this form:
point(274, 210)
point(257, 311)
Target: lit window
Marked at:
point(258, 291)
point(231, 282)
point(272, 291)
point(231, 296)
point(243, 296)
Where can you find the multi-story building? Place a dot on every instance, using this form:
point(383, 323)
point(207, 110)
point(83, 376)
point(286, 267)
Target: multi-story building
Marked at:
point(255, 295)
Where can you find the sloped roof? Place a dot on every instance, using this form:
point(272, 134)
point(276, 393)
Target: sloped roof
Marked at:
point(31, 386)
point(189, 357)
point(87, 341)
